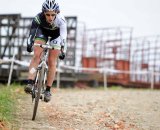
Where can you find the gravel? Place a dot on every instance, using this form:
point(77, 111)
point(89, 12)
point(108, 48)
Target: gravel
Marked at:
point(92, 109)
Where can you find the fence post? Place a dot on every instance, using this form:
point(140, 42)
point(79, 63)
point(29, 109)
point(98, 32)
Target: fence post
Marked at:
point(58, 76)
point(152, 79)
point(11, 70)
point(105, 79)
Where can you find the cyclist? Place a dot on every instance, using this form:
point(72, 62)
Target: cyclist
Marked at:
point(48, 23)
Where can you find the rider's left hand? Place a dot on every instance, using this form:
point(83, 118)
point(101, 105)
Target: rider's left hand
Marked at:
point(62, 56)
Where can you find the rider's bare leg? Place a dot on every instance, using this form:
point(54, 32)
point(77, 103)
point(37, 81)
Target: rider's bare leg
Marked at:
point(52, 62)
point(35, 60)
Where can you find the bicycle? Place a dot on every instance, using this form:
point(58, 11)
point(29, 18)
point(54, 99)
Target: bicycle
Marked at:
point(41, 76)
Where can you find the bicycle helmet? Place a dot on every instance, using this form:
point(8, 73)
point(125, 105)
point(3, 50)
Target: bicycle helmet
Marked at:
point(50, 5)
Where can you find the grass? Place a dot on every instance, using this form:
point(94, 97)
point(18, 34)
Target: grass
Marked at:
point(8, 96)
point(116, 88)
point(6, 104)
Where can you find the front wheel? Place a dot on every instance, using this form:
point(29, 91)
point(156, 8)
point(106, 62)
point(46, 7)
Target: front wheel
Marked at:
point(38, 90)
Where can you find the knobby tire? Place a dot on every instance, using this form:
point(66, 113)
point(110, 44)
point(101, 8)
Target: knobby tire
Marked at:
point(39, 87)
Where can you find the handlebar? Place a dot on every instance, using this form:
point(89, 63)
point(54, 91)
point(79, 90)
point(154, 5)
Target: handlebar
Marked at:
point(45, 46)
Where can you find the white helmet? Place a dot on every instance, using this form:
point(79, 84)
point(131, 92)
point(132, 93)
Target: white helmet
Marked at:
point(50, 5)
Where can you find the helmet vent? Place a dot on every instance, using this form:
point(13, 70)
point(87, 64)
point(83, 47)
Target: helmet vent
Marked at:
point(50, 5)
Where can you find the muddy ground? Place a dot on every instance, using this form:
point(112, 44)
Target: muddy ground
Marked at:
point(92, 109)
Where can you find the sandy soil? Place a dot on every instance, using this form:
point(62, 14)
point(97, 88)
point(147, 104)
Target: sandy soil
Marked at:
point(90, 109)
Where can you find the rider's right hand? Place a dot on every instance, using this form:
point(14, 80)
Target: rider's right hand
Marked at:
point(29, 48)
point(30, 44)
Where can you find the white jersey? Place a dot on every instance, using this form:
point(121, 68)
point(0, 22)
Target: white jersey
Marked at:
point(61, 24)
point(42, 29)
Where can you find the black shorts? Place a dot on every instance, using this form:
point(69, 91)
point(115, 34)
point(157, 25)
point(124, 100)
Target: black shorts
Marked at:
point(43, 34)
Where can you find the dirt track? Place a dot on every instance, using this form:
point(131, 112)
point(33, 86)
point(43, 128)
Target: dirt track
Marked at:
point(93, 110)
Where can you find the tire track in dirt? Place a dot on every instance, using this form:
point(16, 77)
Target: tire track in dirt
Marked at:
point(24, 113)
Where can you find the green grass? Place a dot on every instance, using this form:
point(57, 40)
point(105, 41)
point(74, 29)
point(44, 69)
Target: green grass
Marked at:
point(6, 104)
point(8, 96)
point(116, 88)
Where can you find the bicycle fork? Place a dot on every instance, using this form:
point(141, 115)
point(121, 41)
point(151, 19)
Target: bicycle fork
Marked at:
point(35, 91)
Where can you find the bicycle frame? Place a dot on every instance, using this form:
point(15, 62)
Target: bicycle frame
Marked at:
point(43, 63)
point(41, 77)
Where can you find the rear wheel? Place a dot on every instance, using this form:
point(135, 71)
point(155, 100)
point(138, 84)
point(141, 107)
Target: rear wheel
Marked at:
point(38, 91)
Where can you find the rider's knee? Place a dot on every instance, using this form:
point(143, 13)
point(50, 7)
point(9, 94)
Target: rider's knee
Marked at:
point(36, 58)
point(52, 63)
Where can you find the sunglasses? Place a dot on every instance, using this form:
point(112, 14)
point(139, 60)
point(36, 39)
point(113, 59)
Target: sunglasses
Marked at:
point(50, 15)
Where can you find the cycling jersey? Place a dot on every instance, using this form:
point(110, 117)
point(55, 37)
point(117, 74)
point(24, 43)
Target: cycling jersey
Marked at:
point(41, 29)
